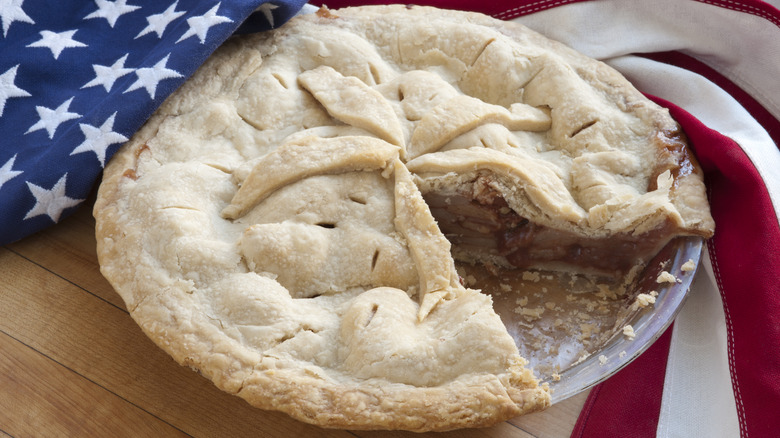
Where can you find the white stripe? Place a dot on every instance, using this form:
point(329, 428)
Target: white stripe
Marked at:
point(743, 47)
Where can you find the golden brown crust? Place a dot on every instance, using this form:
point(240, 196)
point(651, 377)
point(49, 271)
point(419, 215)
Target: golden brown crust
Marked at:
point(267, 226)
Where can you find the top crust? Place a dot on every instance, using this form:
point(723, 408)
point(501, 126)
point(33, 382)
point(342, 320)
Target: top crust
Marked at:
point(267, 226)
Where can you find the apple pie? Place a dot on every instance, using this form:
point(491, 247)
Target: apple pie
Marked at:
point(289, 221)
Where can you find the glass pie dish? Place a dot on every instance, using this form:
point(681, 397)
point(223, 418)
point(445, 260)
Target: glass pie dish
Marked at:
point(575, 333)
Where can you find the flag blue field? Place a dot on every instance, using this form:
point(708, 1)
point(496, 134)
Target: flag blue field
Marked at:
point(78, 78)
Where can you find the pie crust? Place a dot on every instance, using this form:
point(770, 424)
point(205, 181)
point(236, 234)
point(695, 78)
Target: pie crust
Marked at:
point(269, 226)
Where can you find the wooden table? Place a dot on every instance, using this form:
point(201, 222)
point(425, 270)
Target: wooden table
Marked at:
point(73, 362)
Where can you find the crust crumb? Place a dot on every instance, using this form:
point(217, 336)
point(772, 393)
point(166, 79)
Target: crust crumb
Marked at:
point(628, 331)
point(530, 314)
point(582, 358)
point(644, 300)
point(666, 277)
point(531, 276)
point(324, 12)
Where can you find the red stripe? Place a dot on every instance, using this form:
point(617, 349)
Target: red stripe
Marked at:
point(628, 404)
point(745, 255)
point(506, 10)
point(502, 9)
point(745, 252)
point(752, 7)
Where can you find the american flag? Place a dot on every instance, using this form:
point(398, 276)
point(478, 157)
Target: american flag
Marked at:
point(78, 78)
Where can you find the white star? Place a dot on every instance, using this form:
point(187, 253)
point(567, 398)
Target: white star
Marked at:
point(107, 75)
point(52, 118)
point(149, 77)
point(8, 89)
point(111, 11)
point(200, 25)
point(98, 140)
point(7, 172)
point(10, 11)
point(158, 22)
point(266, 9)
point(51, 202)
point(57, 42)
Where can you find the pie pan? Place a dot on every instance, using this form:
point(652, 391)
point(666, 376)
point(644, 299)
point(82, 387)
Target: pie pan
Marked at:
point(576, 368)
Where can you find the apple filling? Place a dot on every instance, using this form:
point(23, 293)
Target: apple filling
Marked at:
point(483, 226)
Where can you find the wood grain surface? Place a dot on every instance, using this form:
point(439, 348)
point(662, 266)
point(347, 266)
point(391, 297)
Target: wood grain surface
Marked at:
point(74, 364)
